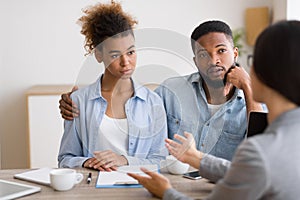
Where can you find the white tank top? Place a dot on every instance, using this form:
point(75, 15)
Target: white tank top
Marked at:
point(214, 108)
point(113, 135)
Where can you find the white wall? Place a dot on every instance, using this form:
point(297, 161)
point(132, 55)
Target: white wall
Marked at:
point(293, 10)
point(279, 10)
point(286, 9)
point(41, 44)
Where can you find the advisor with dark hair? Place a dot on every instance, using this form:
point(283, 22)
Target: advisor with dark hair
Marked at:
point(265, 166)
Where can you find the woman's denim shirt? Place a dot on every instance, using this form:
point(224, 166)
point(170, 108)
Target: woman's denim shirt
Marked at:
point(187, 110)
point(147, 127)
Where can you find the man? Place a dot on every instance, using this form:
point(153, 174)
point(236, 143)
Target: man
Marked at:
point(213, 103)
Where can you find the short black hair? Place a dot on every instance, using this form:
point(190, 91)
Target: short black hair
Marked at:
point(210, 27)
point(276, 58)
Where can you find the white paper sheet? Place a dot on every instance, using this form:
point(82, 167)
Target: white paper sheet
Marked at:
point(120, 178)
point(40, 176)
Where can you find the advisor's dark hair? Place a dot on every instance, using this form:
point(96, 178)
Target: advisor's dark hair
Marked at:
point(210, 27)
point(277, 60)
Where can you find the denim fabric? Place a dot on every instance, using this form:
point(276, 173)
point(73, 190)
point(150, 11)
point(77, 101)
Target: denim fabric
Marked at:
point(147, 127)
point(186, 107)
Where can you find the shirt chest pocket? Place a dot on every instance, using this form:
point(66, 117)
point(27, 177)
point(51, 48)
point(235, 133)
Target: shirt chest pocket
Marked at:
point(227, 144)
point(179, 126)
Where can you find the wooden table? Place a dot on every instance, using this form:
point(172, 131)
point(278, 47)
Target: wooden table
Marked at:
point(197, 189)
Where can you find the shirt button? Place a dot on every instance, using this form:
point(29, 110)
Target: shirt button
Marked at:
point(207, 124)
point(202, 145)
point(177, 121)
point(228, 111)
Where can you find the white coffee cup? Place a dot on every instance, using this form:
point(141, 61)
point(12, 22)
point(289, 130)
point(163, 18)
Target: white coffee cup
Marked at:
point(175, 166)
point(64, 179)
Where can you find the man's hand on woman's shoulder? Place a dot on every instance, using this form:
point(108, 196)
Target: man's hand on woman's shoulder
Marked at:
point(68, 109)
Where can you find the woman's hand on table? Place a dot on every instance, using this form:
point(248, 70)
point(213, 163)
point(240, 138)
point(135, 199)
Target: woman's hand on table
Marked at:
point(93, 163)
point(109, 160)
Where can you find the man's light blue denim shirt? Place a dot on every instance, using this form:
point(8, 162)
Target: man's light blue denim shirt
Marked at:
point(187, 110)
point(147, 127)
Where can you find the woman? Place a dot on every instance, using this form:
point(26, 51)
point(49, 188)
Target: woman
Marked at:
point(120, 122)
point(265, 166)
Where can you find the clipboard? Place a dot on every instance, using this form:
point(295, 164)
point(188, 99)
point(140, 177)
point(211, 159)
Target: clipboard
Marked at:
point(120, 179)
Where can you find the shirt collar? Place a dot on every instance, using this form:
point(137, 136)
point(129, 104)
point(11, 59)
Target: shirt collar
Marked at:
point(95, 88)
point(196, 78)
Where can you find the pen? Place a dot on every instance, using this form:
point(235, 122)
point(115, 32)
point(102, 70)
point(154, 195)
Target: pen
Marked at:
point(89, 178)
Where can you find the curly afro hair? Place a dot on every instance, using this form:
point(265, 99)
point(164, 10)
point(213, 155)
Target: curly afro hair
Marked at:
point(102, 21)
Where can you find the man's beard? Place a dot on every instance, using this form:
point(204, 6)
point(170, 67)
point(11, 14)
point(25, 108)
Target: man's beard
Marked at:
point(212, 83)
point(215, 83)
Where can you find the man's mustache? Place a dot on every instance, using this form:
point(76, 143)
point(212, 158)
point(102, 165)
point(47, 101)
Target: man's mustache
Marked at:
point(212, 67)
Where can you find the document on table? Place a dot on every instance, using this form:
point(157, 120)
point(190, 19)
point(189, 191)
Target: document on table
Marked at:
point(120, 179)
point(40, 176)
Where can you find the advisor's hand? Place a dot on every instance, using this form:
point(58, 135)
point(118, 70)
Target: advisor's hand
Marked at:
point(156, 183)
point(68, 109)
